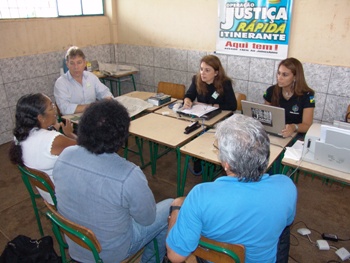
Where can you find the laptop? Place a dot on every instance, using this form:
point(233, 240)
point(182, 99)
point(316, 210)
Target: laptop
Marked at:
point(271, 117)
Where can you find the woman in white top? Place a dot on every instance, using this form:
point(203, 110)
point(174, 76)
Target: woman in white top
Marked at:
point(37, 144)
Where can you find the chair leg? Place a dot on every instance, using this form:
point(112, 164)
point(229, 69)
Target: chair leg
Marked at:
point(33, 198)
point(156, 249)
point(36, 212)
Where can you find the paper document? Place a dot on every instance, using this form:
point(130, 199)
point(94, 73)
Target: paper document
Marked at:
point(295, 151)
point(115, 69)
point(198, 110)
point(133, 105)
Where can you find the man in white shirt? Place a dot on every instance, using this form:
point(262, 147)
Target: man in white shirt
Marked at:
point(77, 88)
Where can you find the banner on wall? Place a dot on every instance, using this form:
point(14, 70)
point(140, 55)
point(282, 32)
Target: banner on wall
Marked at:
point(255, 28)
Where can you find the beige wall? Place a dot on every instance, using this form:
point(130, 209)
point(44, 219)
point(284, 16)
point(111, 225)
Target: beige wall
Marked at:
point(320, 31)
point(319, 34)
point(34, 36)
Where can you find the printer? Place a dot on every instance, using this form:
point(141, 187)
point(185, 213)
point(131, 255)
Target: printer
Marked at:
point(328, 146)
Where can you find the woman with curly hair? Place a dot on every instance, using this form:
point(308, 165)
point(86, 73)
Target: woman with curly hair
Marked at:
point(36, 143)
point(105, 192)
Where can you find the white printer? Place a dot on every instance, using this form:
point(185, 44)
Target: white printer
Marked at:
point(328, 146)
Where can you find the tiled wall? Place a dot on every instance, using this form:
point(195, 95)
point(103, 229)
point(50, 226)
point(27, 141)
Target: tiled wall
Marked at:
point(252, 76)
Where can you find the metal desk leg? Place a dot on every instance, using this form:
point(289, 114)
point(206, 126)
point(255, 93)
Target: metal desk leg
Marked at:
point(140, 147)
point(118, 86)
point(153, 148)
point(181, 182)
point(178, 157)
point(208, 172)
point(133, 81)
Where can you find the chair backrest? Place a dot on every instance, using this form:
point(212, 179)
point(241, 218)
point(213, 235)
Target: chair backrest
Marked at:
point(347, 116)
point(81, 235)
point(176, 91)
point(239, 98)
point(38, 179)
point(219, 252)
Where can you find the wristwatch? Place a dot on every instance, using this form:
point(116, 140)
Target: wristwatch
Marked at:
point(296, 127)
point(172, 208)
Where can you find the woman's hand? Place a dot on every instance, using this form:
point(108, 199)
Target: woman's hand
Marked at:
point(68, 129)
point(289, 130)
point(187, 104)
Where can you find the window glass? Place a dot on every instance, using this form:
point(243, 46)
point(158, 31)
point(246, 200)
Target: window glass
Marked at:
point(49, 8)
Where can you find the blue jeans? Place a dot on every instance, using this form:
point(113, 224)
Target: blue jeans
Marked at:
point(143, 235)
point(283, 246)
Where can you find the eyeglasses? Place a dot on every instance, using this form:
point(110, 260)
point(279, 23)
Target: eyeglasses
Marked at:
point(215, 145)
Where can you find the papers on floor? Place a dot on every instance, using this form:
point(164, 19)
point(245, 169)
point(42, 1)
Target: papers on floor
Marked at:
point(133, 105)
point(198, 110)
point(295, 151)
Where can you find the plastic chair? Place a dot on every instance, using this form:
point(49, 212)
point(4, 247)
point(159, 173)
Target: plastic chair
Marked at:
point(219, 252)
point(176, 91)
point(239, 98)
point(83, 236)
point(41, 180)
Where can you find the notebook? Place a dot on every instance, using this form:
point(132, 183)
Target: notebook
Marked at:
point(273, 118)
point(202, 111)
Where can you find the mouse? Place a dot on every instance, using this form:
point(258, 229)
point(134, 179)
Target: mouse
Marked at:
point(304, 231)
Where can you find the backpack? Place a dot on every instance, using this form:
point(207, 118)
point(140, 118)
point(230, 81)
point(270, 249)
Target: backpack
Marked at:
point(23, 249)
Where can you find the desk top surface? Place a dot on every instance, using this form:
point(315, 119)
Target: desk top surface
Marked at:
point(280, 141)
point(318, 169)
point(202, 148)
point(144, 95)
point(209, 123)
point(74, 118)
point(161, 129)
point(115, 75)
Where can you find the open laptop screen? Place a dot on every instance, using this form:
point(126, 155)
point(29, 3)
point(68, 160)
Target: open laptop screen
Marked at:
point(273, 118)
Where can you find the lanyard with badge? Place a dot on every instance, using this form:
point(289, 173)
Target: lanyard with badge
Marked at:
point(215, 95)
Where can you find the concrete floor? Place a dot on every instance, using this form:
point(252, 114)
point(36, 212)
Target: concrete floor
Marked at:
point(321, 207)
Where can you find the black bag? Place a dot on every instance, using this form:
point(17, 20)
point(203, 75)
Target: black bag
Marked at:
point(23, 249)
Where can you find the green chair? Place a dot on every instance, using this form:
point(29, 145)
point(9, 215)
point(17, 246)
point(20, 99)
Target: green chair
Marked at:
point(83, 236)
point(33, 178)
point(219, 252)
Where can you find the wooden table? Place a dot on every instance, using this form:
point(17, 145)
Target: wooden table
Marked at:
point(143, 95)
point(315, 169)
point(117, 77)
point(208, 123)
point(162, 130)
point(202, 148)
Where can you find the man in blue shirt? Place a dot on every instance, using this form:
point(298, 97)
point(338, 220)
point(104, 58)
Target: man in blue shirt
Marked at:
point(245, 207)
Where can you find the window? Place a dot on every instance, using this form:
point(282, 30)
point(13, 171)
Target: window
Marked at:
point(49, 8)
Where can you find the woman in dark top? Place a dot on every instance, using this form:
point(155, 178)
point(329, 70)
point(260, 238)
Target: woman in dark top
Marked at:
point(292, 93)
point(211, 86)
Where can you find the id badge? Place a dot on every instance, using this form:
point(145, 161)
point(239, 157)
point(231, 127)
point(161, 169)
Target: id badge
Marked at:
point(215, 95)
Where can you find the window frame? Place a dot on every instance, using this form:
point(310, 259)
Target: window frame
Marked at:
point(60, 16)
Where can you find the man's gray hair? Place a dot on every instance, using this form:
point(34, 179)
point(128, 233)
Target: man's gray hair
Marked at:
point(73, 52)
point(244, 145)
